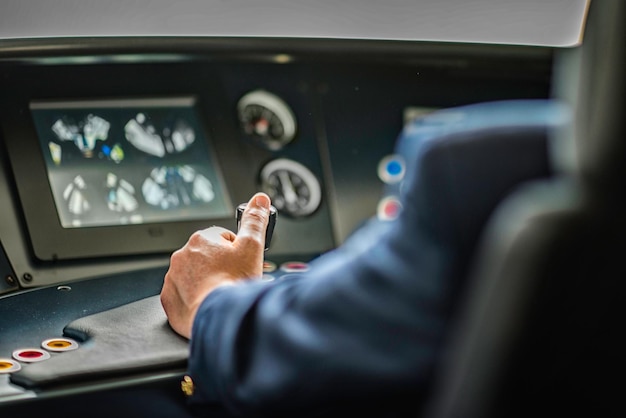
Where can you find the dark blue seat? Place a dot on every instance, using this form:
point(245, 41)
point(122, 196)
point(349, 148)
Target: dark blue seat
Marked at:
point(542, 328)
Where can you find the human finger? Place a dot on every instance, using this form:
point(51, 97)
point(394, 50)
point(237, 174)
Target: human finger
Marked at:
point(254, 219)
point(217, 234)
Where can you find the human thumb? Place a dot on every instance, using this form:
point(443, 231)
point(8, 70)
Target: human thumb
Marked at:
point(254, 221)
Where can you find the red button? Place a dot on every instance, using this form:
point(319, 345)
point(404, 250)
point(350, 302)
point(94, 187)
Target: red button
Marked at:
point(30, 355)
point(388, 209)
point(294, 266)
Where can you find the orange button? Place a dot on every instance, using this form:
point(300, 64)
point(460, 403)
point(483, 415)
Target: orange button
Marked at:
point(9, 366)
point(268, 266)
point(59, 344)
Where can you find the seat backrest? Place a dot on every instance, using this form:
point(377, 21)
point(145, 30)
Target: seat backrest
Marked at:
point(540, 332)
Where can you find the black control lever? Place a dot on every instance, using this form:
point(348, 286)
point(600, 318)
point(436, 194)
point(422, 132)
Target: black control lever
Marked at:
point(270, 225)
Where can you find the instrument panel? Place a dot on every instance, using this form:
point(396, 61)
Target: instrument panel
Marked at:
point(173, 145)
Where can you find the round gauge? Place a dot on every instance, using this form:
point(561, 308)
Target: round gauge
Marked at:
point(293, 188)
point(266, 119)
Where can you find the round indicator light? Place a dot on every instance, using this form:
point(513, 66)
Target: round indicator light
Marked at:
point(394, 168)
point(268, 266)
point(30, 355)
point(388, 209)
point(59, 344)
point(391, 169)
point(9, 366)
point(294, 267)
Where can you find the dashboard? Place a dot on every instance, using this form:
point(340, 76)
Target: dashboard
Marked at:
point(114, 164)
point(114, 151)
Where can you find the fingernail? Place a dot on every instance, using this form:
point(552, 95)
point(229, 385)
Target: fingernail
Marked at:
point(262, 201)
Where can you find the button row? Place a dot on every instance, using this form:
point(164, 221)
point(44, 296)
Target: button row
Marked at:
point(287, 267)
point(33, 355)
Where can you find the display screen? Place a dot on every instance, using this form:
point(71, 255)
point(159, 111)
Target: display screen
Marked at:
point(124, 162)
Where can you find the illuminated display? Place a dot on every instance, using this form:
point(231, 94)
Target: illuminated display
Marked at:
point(129, 162)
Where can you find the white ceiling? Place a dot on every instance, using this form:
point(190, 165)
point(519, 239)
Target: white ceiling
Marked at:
point(526, 22)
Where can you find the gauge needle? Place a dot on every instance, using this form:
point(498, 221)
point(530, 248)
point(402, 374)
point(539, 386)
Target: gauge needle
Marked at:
point(289, 192)
point(261, 127)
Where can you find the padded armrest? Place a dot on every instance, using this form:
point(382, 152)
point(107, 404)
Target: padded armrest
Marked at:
point(128, 339)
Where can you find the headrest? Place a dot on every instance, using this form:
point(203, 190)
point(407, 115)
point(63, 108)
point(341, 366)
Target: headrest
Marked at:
point(599, 108)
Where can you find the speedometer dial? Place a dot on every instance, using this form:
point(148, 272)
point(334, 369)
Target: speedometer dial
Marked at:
point(293, 188)
point(266, 119)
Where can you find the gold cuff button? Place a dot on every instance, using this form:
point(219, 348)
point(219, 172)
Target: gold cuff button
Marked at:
point(187, 386)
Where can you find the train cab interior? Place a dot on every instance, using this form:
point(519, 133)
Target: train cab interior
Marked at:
point(127, 126)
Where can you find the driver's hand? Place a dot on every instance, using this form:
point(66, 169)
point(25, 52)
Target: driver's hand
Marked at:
point(211, 258)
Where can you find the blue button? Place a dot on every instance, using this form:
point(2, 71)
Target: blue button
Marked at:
point(391, 169)
point(394, 168)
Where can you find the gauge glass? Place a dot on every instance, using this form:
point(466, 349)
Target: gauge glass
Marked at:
point(266, 119)
point(293, 188)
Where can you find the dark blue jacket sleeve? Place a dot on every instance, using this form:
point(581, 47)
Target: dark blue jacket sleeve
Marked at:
point(355, 323)
point(368, 318)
